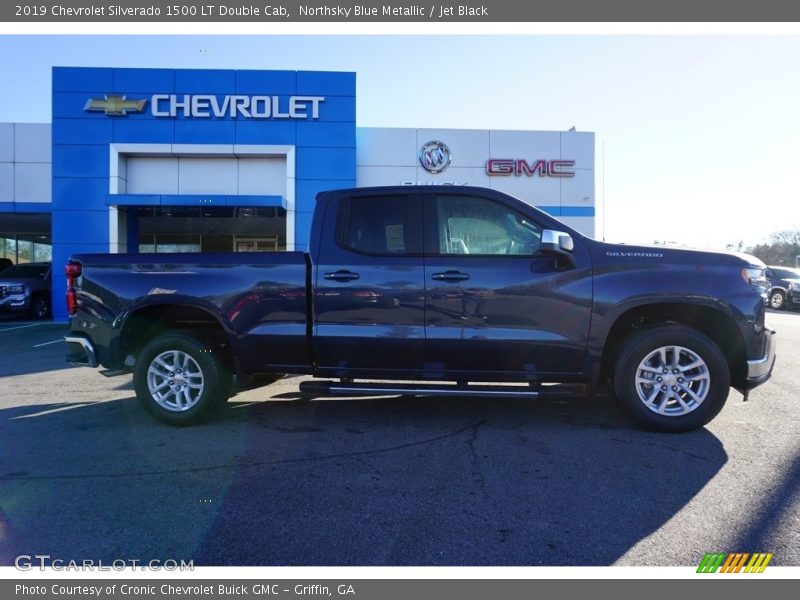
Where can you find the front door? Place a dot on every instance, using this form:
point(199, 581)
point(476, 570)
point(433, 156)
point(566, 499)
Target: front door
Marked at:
point(495, 307)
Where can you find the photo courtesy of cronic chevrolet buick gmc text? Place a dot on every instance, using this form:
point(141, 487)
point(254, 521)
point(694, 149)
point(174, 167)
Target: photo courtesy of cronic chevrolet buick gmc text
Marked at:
point(466, 289)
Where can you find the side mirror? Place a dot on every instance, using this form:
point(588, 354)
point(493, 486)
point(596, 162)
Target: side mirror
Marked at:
point(561, 245)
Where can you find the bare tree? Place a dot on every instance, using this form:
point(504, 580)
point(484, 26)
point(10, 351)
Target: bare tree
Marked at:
point(782, 248)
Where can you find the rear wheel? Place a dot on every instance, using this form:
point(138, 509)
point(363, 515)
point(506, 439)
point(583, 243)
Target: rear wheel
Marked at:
point(179, 380)
point(40, 307)
point(671, 378)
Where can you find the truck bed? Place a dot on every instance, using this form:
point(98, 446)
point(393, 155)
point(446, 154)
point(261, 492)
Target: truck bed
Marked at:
point(254, 296)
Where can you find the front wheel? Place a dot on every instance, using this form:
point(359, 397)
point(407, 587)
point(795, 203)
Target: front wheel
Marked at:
point(671, 378)
point(179, 380)
point(777, 299)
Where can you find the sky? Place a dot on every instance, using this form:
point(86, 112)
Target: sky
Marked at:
point(697, 136)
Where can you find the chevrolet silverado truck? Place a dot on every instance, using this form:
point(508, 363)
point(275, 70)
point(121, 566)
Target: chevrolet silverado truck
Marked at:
point(430, 290)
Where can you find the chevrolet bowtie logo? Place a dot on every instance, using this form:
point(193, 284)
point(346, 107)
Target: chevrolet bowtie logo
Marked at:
point(115, 105)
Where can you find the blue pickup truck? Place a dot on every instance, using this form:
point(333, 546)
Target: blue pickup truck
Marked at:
point(430, 290)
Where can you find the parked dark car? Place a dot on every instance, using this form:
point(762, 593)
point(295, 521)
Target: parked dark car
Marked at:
point(465, 288)
point(780, 279)
point(26, 289)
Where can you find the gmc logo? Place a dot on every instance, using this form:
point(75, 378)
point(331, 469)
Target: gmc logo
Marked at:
point(520, 166)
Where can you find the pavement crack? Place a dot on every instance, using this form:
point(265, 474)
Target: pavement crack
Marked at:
point(245, 465)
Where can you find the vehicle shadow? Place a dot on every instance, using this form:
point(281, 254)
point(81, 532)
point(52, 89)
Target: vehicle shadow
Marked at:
point(392, 481)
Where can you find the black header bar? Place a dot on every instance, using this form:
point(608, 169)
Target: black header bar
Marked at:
point(343, 11)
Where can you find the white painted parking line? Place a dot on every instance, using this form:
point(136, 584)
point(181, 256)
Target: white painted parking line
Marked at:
point(48, 343)
point(20, 327)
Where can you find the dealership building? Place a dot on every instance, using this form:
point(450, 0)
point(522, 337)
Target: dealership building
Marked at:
point(184, 160)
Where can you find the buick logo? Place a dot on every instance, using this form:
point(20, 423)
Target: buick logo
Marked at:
point(434, 156)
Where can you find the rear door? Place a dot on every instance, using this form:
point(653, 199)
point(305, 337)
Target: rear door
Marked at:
point(369, 316)
point(496, 308)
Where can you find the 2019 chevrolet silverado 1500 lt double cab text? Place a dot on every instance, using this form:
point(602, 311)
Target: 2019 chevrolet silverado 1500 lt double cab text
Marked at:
point(465, 289)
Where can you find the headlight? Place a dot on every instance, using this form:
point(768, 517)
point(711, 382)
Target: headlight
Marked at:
point(755, 276)
point(15, 289)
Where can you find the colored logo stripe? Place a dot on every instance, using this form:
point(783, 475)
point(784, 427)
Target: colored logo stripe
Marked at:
point(734, 562)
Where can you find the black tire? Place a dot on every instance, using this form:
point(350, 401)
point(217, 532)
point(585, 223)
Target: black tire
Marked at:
point(40, 307)
point(777, 300)
point(711, 380)
point(204, 369)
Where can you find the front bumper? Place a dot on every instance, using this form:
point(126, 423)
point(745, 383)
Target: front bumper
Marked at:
point(81, 351)
point(760, 369)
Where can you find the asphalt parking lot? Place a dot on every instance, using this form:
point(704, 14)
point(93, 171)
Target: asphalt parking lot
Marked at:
point(276, 480)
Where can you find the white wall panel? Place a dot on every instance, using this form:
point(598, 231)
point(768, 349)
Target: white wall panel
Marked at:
point(578, 190)
point(372, 176)
point(152, 175)
point(386, 147)
point(537, 191)
point(32, 142)
point(6, 181)
point(6, 142)
point(207, 176)
point(262, 176)
point(453, 175)
point(529, 145)
point(32, 182)
point(469, 148)
point(578, 146)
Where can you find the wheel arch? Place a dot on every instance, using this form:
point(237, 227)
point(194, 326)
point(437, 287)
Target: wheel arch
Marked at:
point(714, 323)
point(145, 322)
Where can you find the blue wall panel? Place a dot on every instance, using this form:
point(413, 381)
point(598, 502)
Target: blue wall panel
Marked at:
point(205, 81)
point(72, 226)
point(79, 193)
point(144, 81)
point(82, 131)
point(205, 131)
point(309, 188)
point(268, 83)
point(68, 79)
point(331, 135)
point(302, 227)
point(150, 131)
point(80, 161)
point(326, 163)
point(266, 132)
point(326, 83)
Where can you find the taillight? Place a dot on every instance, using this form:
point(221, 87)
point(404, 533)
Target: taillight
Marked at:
point(73, 271)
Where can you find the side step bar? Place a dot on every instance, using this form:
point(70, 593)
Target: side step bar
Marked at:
point(349, 388)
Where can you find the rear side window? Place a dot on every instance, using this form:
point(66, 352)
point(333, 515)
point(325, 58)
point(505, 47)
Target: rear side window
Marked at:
point(379, 225)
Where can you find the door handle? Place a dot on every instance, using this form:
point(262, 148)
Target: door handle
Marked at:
point(341, 276)
point(450, 276)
